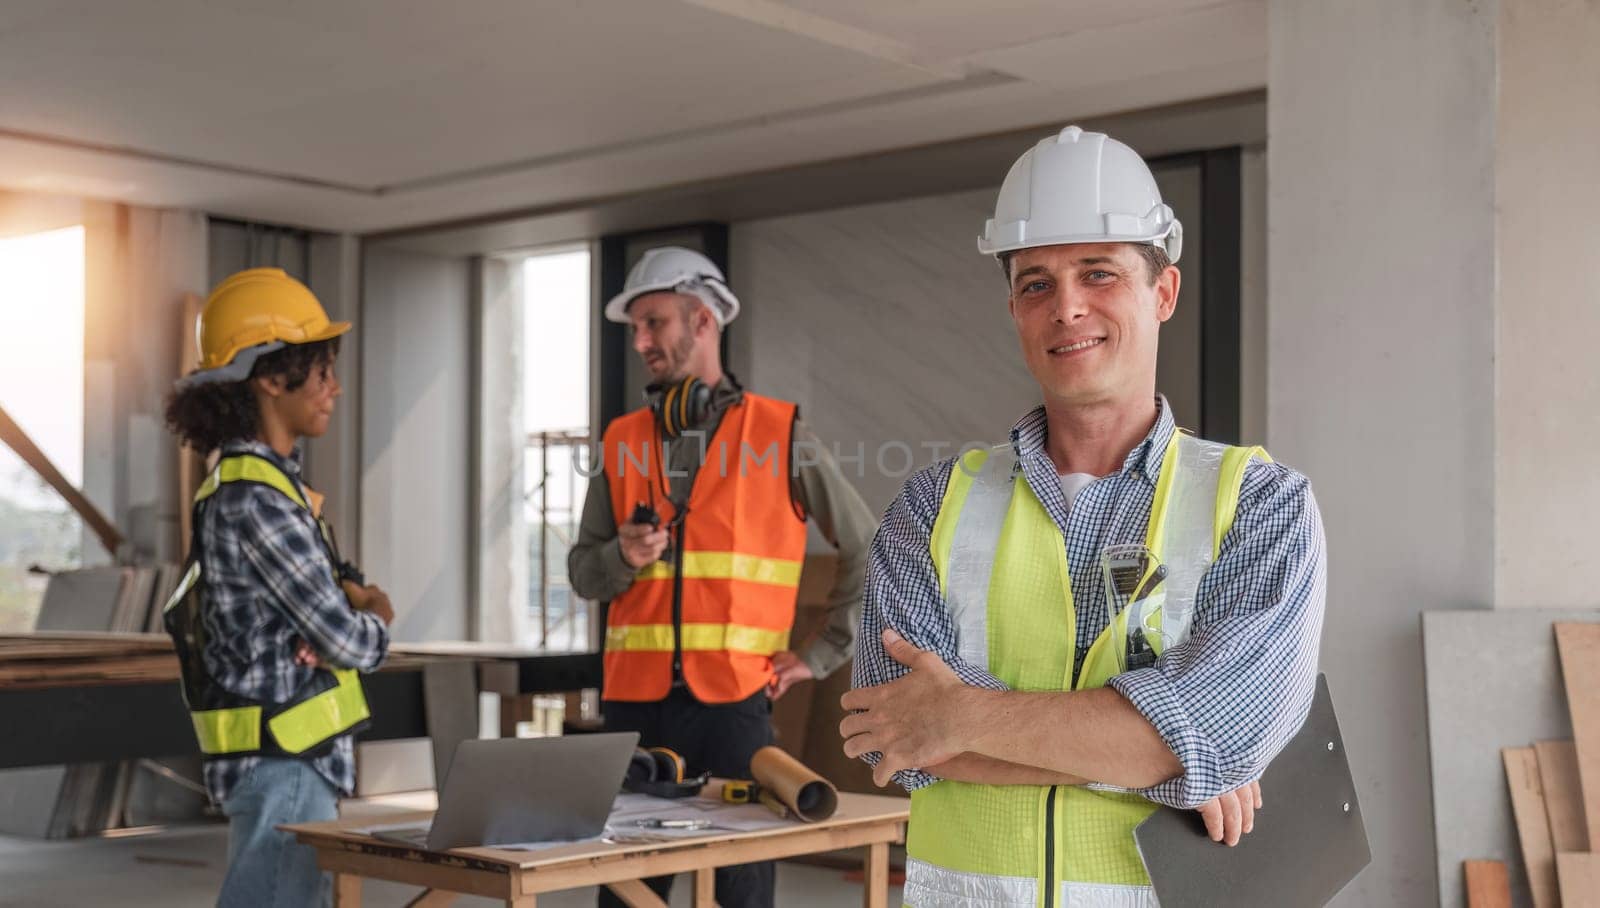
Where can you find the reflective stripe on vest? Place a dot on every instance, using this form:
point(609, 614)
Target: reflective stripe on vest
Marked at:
point(994, 542)
point(314, 720)
point(249, 468)
point(297, 729)
point(644, 638)
point(727, 566)
point(928, 886)
point(305, 724)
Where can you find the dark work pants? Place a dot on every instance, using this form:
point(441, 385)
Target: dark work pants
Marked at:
point(719, 738)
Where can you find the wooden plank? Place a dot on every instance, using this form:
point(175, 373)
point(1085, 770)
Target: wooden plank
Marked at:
point(12, 435)
point(1579, 646)
point(1580, 880)
point(602, 867)
point(705, 888)
point(1563, 795)
point(635, 894)
point(1533, 825)
point(876, 878)
point(1488, 885)
point(415, 873)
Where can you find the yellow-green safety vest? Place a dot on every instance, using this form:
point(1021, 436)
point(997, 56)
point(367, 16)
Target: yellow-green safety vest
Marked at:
point(1002, 568)
point(226, 724)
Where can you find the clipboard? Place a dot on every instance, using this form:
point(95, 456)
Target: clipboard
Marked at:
point(1309, 839)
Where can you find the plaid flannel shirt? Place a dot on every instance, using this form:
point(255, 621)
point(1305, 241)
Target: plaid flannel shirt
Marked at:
point(268, 583)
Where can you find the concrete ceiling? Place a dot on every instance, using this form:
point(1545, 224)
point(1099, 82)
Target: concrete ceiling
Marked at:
point(369, 115)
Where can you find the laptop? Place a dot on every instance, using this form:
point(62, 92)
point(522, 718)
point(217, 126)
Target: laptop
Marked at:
point(511, 790)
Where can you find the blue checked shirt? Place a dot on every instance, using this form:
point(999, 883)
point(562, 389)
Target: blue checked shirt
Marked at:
point(268, 582)
point(1226, 700)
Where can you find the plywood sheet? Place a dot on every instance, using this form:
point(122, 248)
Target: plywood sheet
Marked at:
point(1579, 645)
point(1580, 880)
point(1533, 825)
point(1563, 796)
point(1487, 884)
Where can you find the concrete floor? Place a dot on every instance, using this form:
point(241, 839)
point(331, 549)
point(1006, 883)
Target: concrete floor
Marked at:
point(183, 866)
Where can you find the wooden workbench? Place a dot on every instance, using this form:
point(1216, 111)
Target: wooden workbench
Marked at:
point(518, 877)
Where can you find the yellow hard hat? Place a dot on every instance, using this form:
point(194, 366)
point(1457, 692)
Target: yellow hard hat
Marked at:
point(260, 306)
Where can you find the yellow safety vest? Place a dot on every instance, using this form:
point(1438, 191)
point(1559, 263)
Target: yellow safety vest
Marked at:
point(1002, 568)
point(227, 724)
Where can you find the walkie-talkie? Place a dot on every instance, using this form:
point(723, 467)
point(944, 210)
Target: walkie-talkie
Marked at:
point(644, 513)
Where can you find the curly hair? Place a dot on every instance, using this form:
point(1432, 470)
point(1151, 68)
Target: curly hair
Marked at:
point(207, 416)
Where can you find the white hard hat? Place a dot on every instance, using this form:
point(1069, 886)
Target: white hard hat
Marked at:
point(678, 270)
point(1080, 187)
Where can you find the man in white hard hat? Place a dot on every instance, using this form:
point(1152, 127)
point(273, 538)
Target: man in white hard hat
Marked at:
point(696, 537)
point(1103, 615)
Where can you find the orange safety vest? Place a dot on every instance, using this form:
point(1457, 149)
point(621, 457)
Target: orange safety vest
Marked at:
point(724, 601)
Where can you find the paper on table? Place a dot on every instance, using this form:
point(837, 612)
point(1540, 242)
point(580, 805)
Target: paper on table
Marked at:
point(627, 809)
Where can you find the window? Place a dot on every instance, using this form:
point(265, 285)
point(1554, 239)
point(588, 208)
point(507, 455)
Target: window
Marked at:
point(555, 357)
point(41, 388)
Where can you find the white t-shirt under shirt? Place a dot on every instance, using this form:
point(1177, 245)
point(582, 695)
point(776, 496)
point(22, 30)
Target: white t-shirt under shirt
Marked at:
point(1072, 484)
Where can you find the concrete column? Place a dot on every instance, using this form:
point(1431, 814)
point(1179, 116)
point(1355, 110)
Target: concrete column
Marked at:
point(1381, 329)
point(1547, 384)
point(501, 614)
point(416, 439)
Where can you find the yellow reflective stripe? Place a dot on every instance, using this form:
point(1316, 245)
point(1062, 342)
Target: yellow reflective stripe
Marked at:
point(657, 638)
point(733, 637)
point(249, 468)
point(305, 725)
point(639, 638)
point(190, 578)
point(226, 731)
point(727, 566)
point(1234, 462)
point(955, 498)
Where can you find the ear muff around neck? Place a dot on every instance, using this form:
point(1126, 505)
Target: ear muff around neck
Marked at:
point(681, 405)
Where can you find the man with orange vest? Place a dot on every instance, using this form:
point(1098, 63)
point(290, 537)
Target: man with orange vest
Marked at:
point(696, 537)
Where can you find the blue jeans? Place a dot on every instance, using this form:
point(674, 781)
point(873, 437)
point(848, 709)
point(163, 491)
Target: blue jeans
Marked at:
point(267, 867)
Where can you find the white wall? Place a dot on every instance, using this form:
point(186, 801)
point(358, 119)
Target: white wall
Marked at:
point(416, 444)
point(1380, 348)
point(885, 324)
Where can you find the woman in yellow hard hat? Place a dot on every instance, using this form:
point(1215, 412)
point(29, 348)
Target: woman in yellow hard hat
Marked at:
point(272, 628)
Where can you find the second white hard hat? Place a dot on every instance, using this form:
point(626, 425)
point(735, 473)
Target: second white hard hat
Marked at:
point(1080, 187)
point(677, 270)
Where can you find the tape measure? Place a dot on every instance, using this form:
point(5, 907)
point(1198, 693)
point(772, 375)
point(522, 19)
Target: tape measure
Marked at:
point(745, 792)
point(740, 792)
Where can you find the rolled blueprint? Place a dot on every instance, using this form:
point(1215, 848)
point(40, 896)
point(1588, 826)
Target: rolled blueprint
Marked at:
point(808, 795)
